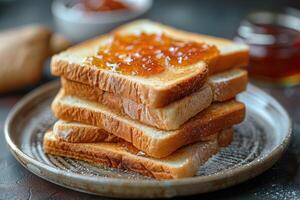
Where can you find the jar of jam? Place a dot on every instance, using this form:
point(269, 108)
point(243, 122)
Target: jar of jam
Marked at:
point(274, 41)
point(103, 5)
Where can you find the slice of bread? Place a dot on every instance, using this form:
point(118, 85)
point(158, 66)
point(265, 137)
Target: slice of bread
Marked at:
point(154, 142)
point(76, 132)
point(183, 163)
point(225, 86)
point(155, 91)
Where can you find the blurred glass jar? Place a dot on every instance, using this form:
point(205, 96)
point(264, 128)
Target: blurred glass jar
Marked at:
point(274, 41)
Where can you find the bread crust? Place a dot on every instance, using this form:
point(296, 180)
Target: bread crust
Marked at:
point(119, 156)
point(217, 117)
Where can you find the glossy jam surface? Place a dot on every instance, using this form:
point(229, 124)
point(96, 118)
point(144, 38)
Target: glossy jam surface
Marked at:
point(103, 5)
point(149, 54)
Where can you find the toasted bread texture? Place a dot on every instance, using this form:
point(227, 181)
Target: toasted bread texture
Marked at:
point(223, 86)
point(227, 85)
point(154, 142)
point(169, 117)
point(76, 132)
point(155, 91)
point(81, 133)
point(183, 163)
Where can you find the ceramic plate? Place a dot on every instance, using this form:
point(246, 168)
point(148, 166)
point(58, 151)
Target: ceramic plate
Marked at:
point(258, 143)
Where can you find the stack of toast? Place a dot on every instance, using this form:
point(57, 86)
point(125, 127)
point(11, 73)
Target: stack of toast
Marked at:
point(128, 101)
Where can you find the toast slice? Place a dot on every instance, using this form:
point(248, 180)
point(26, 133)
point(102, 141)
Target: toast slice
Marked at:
point(225, 86)
point(158, 90)
point(183, 163)
point(76, 132)
point(154, 142)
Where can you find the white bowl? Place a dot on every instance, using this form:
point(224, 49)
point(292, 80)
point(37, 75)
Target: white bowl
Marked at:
point(78, 25)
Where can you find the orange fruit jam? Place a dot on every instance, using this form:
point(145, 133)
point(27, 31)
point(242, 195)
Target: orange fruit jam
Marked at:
point(103, 5)
point(149, 54)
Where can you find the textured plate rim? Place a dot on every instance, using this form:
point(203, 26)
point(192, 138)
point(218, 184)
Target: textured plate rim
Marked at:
point(261, 165)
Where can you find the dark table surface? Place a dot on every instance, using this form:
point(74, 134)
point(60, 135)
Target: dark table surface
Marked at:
point(219, 18)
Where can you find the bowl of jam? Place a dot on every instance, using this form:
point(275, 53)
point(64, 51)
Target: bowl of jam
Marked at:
point(83, 19)
point(274, 41)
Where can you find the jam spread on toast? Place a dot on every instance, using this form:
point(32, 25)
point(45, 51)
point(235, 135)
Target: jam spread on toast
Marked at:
point(149, 54)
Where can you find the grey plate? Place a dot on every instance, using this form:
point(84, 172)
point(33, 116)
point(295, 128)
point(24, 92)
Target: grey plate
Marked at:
point(258, 143)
